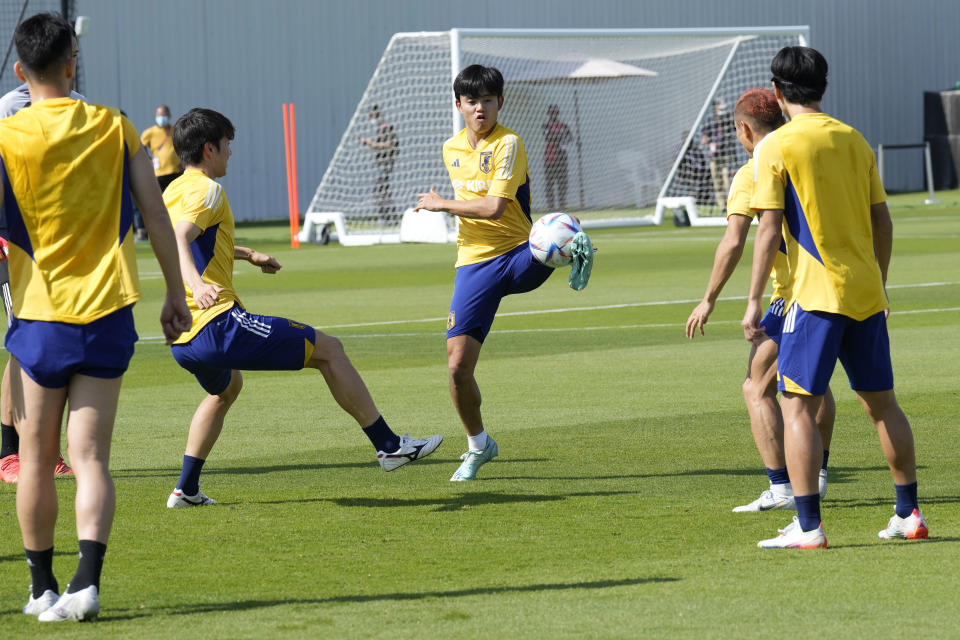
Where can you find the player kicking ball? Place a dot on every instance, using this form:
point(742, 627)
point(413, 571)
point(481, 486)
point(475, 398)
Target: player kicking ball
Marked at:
point(755, 115)
point(487, 164)
point(224, 338)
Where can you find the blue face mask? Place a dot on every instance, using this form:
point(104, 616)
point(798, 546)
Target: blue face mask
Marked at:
point(163, 121)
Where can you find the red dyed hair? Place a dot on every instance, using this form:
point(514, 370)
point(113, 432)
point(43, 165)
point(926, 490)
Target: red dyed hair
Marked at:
point(760, 105)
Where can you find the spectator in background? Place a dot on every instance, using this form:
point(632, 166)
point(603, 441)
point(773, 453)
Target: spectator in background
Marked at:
point(384, 144)
point(555, 135)
point(719, 140)
point(158, 141)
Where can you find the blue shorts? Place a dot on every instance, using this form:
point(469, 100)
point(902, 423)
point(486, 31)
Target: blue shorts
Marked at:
point(478, 289)
point(772, 321)
point(53, 352)
point(812, 341)
point(239, 340)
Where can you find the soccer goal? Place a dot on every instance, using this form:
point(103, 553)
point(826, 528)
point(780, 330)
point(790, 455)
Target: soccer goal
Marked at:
point(621, 127)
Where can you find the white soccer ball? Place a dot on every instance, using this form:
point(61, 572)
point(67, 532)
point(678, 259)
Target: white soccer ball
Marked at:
point(550, 239)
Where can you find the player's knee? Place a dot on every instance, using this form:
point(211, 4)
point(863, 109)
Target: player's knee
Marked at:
point(326, 348)
point(230, 394)
point(460, 372)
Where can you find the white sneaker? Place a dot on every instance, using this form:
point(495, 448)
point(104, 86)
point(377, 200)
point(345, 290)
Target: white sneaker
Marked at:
point(410, 449)
point(767, 501)
point(912, 527)
point(36, 606)
point(82, 605)
point(177, 500)
point(792, 537)
point(822, 483)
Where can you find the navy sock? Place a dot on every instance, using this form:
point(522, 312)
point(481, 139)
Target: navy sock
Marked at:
point(826, 456)
point(189, 482)
point(89, 566)
point(382, 438)
point(41, 571)
point(778, 476)
point(9, 441)
point(906, 499)
point(808, 511)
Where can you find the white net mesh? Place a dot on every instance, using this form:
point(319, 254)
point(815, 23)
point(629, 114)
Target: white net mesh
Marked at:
point(637, 111)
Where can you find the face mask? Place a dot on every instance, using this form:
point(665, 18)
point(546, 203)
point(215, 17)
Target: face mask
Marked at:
point(163, 121)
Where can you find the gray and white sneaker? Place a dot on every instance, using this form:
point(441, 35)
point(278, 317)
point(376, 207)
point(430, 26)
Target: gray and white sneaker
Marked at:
point(82, 606)
point(36, 606)
point(410, 449)
point(178, 500)
point(767, 501)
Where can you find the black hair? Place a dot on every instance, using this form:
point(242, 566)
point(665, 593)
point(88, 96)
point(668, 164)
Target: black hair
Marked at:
point(197, 127)
point(43, 41)
point(478, 80)
point(800, 73)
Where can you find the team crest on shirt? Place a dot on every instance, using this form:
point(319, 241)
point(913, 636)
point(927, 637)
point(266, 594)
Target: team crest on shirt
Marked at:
point(297, 325)
point(451, 321)
point(486, 161)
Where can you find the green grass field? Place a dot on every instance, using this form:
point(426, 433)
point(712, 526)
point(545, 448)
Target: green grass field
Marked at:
point(623, 448)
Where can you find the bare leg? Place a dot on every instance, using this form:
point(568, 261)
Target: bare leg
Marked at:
point(802, 444)
point(6, 401)
point(93, 410)
point(760, 394)
point(342, 379)
point(462, 354)
point(896, 437)
point(826, 415)
point(207, 422)
point(38, 412)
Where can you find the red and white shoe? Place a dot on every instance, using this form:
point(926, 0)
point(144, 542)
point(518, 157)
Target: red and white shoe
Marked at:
point(62, 468)
point(10, 468)
point(913, 527)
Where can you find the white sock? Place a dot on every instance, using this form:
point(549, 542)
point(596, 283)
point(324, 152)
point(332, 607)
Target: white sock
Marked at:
point(477, 442)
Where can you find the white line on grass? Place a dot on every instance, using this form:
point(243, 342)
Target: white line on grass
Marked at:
point(662, 325)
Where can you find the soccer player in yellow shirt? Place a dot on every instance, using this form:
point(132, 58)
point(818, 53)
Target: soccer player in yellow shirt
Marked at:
point(818, 191)
point(73, 275)
point(225, 338)
point(487, 164)
point(755, 115)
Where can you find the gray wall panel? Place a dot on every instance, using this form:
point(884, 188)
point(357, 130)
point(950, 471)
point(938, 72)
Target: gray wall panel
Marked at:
point(246, 57)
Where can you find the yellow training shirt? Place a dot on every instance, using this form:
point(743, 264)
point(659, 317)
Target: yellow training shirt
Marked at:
point(822, 174)
point(66, 167)
point(497, 167)
point(197, 199)
point(160, 143)
point(738, 203)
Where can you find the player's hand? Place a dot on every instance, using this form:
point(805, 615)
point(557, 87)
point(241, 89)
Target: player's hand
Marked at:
point(431, 201)
point(752, 330)
point(206, 295)
point(698, 318)
point(175, 318)
point(267, 264)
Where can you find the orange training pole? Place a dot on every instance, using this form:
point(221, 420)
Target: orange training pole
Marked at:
point(294, 241)
point(295, 207)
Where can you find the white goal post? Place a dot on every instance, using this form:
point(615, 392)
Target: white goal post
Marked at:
point(641, 110)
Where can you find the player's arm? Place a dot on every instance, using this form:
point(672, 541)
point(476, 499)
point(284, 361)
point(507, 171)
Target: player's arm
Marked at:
point(174, 315)
point(485, 208)
point(882, 236)
point(204, 293)
point(267, 264)
point(765, 247)
point(725, 260)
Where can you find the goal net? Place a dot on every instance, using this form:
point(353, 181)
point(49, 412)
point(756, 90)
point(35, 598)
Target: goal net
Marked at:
point(614, 122)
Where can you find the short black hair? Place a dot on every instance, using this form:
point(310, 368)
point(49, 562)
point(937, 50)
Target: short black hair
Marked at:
point(44, 41)
point(197, 127)
point(478, 80)
point(800, 73)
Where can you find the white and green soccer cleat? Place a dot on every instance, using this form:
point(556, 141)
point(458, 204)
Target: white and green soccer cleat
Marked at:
point(472, 461)
point(582, 249)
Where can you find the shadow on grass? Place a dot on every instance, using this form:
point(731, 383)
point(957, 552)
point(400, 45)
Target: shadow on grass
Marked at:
point(190, 608)
point(20, 557)
point(838, 475)
point(894, 543)
point(281, 468)
point(886, 501)
point(449, 503)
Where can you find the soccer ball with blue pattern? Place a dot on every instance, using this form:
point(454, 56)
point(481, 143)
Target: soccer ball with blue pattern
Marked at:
point(551, 237)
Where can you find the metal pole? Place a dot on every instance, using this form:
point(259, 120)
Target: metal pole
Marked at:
point(880, 162)
point(929, 165)
point(454, 72)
